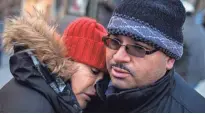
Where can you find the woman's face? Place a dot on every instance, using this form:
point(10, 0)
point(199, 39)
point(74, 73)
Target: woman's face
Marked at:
point(83, 81)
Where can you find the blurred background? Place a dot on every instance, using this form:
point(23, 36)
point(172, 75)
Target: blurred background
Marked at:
point(191, 66)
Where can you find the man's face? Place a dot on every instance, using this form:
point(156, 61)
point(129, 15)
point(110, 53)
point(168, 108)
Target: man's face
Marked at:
point(129, 71)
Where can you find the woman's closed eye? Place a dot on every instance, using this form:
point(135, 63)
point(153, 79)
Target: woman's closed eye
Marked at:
point(95, 71)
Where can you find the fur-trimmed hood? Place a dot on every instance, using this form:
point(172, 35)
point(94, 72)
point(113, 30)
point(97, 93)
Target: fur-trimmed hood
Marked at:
point(34, 31)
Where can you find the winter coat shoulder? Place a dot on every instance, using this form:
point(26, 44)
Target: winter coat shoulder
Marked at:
point(17, 98)
point(34, 89)
point(170, 94)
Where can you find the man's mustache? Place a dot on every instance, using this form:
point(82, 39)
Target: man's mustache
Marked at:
point(122, 66)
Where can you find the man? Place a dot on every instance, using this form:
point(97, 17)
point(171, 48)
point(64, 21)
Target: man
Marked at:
point(145, 39)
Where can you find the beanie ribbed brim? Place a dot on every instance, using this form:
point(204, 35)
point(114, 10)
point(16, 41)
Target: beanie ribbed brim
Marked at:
point(141, 31)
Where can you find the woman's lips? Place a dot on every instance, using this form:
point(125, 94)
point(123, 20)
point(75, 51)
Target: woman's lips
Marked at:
point(119, 73)
point(86, 96)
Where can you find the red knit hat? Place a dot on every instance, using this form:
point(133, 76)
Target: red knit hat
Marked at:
point(83, 39)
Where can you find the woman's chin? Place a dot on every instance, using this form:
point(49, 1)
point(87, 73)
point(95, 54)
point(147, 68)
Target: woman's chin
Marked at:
point(83, 104)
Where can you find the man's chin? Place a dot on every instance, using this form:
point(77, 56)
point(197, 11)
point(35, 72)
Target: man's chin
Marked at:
point(121, 84)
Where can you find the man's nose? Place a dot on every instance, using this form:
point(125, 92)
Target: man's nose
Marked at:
point(121, 55)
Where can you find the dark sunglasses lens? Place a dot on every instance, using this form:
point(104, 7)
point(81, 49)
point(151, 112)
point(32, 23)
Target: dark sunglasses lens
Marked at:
point(135, 50)
point(111, 43)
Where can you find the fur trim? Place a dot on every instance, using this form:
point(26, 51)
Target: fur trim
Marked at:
point(34, 31)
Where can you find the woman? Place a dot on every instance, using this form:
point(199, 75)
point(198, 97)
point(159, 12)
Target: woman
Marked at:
point(52, 74)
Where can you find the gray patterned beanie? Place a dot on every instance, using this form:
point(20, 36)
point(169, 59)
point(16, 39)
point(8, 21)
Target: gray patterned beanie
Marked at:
point(154, 22)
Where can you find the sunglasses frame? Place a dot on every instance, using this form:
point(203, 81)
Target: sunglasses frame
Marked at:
point(105, 38)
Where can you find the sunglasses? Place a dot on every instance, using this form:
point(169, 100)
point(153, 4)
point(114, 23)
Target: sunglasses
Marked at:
point(132, 49)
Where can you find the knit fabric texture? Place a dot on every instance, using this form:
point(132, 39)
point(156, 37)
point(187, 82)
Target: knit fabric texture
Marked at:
point(83, 40)
point(154, 22)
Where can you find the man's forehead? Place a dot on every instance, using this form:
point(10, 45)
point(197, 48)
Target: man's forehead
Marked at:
point(132, 40)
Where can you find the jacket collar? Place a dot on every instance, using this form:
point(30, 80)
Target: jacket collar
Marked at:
point(139, 99)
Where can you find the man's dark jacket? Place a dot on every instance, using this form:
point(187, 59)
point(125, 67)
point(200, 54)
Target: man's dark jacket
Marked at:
point(29, 91)
point(169, 94)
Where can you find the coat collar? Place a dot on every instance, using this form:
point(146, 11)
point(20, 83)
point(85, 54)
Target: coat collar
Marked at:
point(139, 99)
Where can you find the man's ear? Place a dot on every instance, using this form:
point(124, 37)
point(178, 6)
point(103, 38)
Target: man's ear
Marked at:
point(170, 63)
